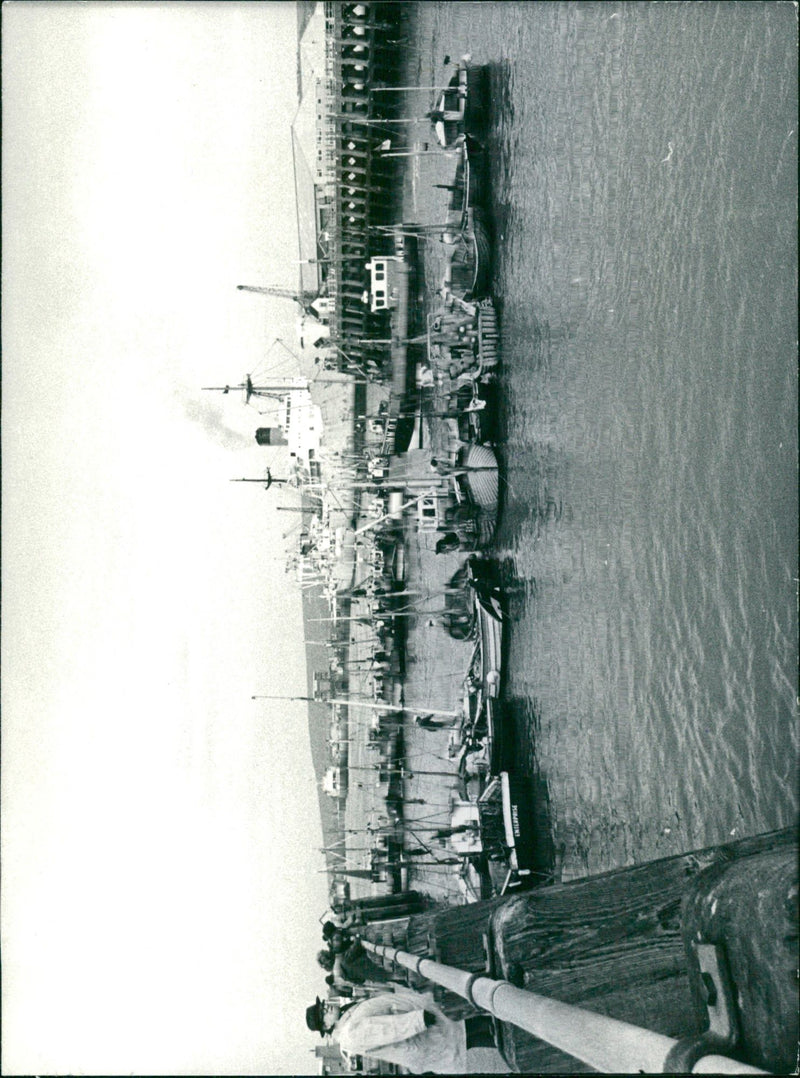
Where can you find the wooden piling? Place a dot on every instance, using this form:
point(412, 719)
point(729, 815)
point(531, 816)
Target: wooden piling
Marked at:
point(363, 53)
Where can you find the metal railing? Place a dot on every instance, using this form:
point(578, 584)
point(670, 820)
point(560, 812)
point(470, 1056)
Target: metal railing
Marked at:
point(607, 1044)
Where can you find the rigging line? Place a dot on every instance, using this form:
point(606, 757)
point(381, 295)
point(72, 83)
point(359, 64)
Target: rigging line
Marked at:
point(447, 676)
point(430, 816)
point(431, 756)
point(409, 608)
point(280, 341)
point(297, 211)
point(264, 373)
point(447, 859)
point(278, 367)
point(334, 496)
point(424, 597)
point(261, 370)
point(275, 341)
point(424, 845)
point(285, 346)
point(435, 866)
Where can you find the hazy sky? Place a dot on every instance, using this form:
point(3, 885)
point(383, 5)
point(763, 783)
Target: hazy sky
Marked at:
point(161, 882)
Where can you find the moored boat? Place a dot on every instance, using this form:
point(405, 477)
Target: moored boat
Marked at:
point(478, 478)
point(463, 339)
point(468, 271)
point(459, 111)
point(447, 115)
point(507, 832)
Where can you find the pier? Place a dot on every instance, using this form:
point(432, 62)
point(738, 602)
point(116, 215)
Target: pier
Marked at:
point(358, 197)
point(621, 944)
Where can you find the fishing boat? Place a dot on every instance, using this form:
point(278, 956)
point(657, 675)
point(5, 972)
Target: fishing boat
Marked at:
point(479, 483)
point(448, 114)
point(459, 111)
point(463, 340)
point(502, 798)
point(468, 271)
point(507, 830)
point(482, 734)
point(490, 628)
point(466, 236)
point(474, 407)
point(395, 572)
point(326, 551)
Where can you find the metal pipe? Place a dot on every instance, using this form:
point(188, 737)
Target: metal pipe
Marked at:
point(388, 89)
point(607, 1044)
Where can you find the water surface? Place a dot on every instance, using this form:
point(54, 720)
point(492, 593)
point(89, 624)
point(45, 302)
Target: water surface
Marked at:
point(644, 191)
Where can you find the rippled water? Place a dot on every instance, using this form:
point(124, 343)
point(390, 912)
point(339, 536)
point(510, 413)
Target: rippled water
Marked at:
point(644, 195)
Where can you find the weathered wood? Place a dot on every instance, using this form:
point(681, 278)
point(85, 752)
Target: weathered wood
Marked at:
point(455, 935)
point(749, 907)
point(611, 943)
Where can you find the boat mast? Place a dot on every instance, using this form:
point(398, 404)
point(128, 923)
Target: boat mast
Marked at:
point(249, 390)
point(268, 479)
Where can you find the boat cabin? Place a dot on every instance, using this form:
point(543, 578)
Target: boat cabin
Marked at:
point(333, 782)
point(383, 281)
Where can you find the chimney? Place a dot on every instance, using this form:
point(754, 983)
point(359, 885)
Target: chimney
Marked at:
point(270, 436)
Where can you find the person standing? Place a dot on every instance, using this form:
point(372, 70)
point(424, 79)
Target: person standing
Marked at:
point(405, 1028)
point(340, 919)
point(352, 965)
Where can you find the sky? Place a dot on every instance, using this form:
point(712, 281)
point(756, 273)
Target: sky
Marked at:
point(162, 880)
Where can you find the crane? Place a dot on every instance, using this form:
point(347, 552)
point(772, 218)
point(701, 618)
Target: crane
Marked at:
point(302, 299)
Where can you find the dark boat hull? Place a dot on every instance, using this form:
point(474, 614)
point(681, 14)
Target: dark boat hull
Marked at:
point(471, 265)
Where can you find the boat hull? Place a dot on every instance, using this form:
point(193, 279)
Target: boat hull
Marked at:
point(480, 480)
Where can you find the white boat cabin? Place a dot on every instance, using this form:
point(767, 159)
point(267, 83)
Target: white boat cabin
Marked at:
point(383, 280)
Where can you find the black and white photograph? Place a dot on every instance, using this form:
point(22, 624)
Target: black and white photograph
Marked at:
point(399, 537)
